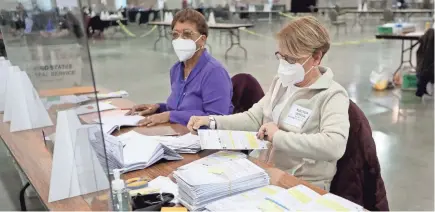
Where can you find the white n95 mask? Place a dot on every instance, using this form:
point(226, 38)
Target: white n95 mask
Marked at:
point(291, 74)
point(185, 48)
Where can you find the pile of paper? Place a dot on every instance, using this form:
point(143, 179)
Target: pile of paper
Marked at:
point(186, 144)
point(215, 159)
point(112, 123)
point(141, 152)
point(227, 139)
point(111, 95)
point(114, 150)
point(59, 100)
point(247, 201)
point(201, 184)
point(289, 200)
point(132, 151)
point(273, 198)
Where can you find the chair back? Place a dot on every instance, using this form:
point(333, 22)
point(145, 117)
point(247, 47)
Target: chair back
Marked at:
point(333, 15)
point(388, 16)
point(246, 92)
point(358, 177)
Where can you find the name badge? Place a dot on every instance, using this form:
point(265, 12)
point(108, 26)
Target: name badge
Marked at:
point(297, 116)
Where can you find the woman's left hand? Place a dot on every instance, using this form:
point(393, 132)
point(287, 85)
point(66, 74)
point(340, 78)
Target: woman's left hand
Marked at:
point(155, 119)
point(267, 131)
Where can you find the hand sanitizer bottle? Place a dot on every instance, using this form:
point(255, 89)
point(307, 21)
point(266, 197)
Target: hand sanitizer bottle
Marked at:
point(121, 200)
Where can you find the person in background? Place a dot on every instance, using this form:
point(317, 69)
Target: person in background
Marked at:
point(200, 85)
point(305, 112)
point(68, 26)
point(2, 47)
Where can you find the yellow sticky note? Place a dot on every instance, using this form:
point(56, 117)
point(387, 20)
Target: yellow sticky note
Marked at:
point(231, 138)
point(253, 143)
point(303, 198)
point(173, 209)
point(268, 190)
point(230, 155)
point(331, 204)
point(144, 191)
point(216, 170)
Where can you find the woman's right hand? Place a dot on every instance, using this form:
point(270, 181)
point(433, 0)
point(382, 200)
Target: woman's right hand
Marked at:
point(196, 122)
point(143, 110)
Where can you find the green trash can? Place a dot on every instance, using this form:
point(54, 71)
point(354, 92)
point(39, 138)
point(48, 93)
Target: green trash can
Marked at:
point(409, 81)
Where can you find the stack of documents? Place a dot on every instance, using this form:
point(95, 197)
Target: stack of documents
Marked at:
point(186, 144)
point(330, 202)
point(141, 152)
point(114, 150)
point(59, 100)
point(131, 151)
point(201, 184)
point(215, 159)
point(112, 123)
point(111, 95)
point(227, 139)
point(247, 201)
point(289, 200)
point(273, 198)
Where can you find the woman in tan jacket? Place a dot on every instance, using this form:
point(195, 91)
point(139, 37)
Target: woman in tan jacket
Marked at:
point(305, 112)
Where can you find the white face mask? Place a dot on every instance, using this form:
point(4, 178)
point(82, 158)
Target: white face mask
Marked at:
point(291, 74)
point(185, 48)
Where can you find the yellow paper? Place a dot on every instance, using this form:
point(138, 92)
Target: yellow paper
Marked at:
point(331, 204)
point(303, 198)
point(216, 170)
point(253, 143)
point(228, 155)
point(231, 138)
point(268, 190)
point(144, 191)
point(173, 209)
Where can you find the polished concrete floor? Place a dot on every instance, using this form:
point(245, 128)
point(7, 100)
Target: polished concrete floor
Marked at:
point(402, 124)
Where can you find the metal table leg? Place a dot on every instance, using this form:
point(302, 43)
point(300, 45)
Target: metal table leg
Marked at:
point(235, 33)
point(22, 197)
point(162, 34)
point(404, 50)
point(356, 20)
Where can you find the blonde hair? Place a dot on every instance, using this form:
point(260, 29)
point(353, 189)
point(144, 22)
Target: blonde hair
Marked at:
point(304, 36)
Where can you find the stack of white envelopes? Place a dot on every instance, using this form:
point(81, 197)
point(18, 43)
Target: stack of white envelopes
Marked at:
point(200, 184)
point(132, 151)
point(186, 144)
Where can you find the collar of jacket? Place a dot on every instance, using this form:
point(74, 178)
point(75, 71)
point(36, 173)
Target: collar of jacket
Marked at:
point(325, 79)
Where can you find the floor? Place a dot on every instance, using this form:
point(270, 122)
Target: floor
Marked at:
point(402, 124)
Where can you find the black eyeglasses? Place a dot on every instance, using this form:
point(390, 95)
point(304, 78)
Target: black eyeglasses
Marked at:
point(186, 34)
point(289, 59)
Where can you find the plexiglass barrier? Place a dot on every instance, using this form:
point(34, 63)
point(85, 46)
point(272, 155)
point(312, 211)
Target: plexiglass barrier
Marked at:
point(51, 122)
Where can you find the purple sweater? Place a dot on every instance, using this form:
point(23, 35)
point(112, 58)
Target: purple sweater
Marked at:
point(206, 91)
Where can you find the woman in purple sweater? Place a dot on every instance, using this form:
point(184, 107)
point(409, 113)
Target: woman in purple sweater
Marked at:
point(200, 85)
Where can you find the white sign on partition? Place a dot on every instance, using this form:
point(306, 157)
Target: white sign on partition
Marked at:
point(4, 76)
point(28, 112)
point(76, 169)
point(51, 66)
